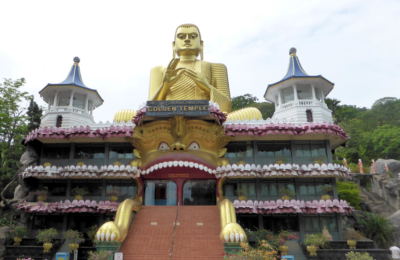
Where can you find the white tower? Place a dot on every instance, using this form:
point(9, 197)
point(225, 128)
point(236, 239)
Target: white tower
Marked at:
point(299, 95)
point(70, 101)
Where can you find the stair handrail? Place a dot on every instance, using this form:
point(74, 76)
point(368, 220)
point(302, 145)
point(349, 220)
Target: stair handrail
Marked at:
point(173, 234)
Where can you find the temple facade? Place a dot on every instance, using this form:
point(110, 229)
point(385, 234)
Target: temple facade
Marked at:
point(275, 174)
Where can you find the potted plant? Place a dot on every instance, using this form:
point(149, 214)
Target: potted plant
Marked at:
point(42, 194)
point(352, 236)
point(92, 232)
point(17, 234)
point(326, 189)
point(358, 256)
point(313, 242)
point(113, 195)
point(102, 255)
point(75, 237)
point(79, 193)
point(46, 236)
point(286, 194)
point(242, 194)
point(241, 158)
point(283, 236)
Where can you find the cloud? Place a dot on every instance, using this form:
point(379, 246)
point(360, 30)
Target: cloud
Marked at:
point(353, 44)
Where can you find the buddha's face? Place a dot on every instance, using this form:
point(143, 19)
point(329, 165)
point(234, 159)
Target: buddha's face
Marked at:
point(187, 41)
point(184, 141)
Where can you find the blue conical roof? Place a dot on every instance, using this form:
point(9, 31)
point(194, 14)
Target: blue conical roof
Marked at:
point(295, 70)
point(74, 78)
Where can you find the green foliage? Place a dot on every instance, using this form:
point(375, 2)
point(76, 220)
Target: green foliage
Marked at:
point(34, 114)
point(358, 256)
point(19, 231)
point(73, 235)
point(6, 219)
point(79, 191)
point(352, 235)
point(102, 255)
point(386, 140)
point(349, 191)
point(92, 231)
point(377, 228)
point(12, 127)
point(267, 109)
point(286, 192)
point(318, 240)
point(243, 101)
point(47, 235)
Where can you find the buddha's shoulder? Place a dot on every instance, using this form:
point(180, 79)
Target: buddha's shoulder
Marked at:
point(215, 67)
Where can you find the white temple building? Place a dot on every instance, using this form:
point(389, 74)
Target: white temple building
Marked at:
point(299, 97)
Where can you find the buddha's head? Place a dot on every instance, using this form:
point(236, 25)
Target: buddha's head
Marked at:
point(181, 140)
point(187, 41)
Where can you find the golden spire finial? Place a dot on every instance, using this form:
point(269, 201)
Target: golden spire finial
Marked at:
point(76, 60)
point(292, 52)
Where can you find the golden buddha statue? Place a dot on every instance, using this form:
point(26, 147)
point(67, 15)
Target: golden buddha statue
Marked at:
point(187, 78)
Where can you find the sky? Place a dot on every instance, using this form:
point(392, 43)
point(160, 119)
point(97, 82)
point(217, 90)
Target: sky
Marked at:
point(354, 44)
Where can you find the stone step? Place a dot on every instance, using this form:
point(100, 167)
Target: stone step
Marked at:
point(295, 250)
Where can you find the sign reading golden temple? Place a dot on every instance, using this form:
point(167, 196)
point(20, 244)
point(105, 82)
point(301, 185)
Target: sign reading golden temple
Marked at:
point(178, 108)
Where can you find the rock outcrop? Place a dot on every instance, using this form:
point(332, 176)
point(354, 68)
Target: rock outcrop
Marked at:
point(4, 236)
point(393, 165)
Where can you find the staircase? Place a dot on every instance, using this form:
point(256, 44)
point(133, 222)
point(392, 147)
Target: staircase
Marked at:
point(196, 234)
point(295, 250)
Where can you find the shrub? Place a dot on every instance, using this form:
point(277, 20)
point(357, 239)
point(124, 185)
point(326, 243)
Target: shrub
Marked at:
point(264, 251)
point(352, 235)
point(92, 231)
point(102, 255)
point(377, 228)
point(318, 240)
point(79, 192)
point(47, 235)
point(358, 256)
point(18, 232)
point(349, 192)
point(73, 235)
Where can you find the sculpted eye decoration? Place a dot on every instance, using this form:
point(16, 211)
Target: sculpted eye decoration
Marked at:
point(163, 147)
point(194, 146)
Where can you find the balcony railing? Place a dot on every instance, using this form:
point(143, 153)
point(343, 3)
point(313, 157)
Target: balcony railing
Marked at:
point(306, 102)
point(67, 109)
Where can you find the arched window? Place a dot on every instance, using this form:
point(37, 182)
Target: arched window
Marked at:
point(59, 121)
point(309, 115)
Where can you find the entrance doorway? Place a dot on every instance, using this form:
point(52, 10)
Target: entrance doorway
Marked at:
point(159, 193)
point(199, 192)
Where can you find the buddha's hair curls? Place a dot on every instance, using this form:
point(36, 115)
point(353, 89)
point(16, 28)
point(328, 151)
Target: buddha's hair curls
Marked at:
point(187, 25)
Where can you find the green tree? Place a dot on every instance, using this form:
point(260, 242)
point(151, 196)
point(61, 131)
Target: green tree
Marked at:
point(267, 109)
point(34, 114)
point(349, 192)
point(333, 105)
point(243, 101)
point(386, 141)
point(12, 127)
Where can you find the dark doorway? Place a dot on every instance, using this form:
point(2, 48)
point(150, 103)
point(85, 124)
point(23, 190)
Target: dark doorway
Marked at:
point(59, 121)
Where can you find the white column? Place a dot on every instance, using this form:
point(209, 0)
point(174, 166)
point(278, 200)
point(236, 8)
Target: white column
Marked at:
point(313, 92)
point(71, 98)
point(48, 106)
point(56, 99)
point(86, 103)
point(323, 96)
point(280, 97)
point(276, 102)
point(295, 92)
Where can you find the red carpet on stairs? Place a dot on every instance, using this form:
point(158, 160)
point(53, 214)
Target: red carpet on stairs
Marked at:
point(196, 236)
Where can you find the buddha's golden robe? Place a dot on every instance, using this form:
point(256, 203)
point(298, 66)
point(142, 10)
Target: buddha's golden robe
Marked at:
point(186, 89)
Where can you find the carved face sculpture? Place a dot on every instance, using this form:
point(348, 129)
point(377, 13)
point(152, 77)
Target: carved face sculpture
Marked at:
point(187, 41)
point(179, 140)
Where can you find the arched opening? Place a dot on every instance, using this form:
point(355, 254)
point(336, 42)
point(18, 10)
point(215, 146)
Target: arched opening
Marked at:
point(59, 121)
point(309, 115)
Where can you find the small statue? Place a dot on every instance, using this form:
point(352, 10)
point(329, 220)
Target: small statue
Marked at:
point(326, 234)
point(360, 166)
point(373, 165)
point(386, 168)
point(345, 162)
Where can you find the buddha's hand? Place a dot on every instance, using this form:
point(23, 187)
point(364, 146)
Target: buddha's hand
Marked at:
point(232, 232)
point(200, 79)
point(109, 231)
point(171, 76)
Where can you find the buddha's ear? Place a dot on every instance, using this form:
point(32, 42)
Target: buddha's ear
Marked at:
point(173, 50)
point(201, 50)
point(222, 152)
point(136, 152)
